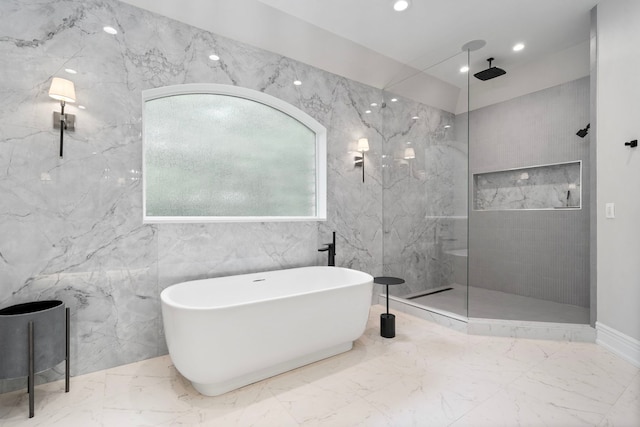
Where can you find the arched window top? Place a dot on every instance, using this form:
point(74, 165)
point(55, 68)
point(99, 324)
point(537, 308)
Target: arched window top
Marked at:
point(224, 153)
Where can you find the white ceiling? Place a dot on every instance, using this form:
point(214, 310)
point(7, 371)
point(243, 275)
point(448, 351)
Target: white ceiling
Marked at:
point(368, 41)
point(433, 30)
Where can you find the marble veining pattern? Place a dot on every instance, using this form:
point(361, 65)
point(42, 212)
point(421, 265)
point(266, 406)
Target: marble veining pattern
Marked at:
point(72, 227)
point(542, 187)
point(427, 375)
point(419, 201)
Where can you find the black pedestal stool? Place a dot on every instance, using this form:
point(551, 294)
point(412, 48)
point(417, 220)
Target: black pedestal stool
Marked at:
point(388, 320)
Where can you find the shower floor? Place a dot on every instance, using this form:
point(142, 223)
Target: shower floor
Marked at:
point(488, 304)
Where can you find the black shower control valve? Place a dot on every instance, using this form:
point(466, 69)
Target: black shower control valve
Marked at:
point(632, 144)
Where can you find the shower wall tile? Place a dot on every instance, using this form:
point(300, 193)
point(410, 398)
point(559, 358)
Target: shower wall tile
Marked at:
point(72, 228)
point(542, 254)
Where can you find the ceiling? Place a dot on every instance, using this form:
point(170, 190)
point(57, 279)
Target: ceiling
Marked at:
point(430, 31)
point(366, 40)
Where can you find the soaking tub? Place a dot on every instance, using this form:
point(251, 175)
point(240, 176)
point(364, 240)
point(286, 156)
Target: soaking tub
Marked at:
point(227, 332)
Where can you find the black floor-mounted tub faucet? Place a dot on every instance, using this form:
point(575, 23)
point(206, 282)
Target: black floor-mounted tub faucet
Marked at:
point(331, 248)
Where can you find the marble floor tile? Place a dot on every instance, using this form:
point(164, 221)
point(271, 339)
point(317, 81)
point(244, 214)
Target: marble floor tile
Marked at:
point(83, 400)
point(356, 413)
point(10, 405)
point(583, 375)
point(506, 354)
point(128, 417)
point(427, 375)
point(626, 410)
point(308, 400)
point(256, 407)
point(74, 416)
point(509, 408)
point(145, 393)
point(156, 367)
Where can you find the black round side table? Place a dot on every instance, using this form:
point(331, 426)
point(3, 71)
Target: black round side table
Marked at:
point(388, 320)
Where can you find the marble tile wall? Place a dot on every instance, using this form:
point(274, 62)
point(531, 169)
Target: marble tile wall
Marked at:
point(543, 187)
point(72, 228)
point(424, 216)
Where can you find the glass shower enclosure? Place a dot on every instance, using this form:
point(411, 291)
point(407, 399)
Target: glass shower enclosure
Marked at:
point(425, 186)
point(485, 193)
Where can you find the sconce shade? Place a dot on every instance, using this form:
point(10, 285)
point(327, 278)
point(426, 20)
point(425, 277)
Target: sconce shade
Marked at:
point(363, 144)
point(409, 153)
point(62, 90)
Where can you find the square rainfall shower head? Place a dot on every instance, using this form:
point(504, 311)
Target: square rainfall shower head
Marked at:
point(489, 73)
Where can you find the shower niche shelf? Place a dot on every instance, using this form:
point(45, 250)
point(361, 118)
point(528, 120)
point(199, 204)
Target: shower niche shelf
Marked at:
point(545, 187)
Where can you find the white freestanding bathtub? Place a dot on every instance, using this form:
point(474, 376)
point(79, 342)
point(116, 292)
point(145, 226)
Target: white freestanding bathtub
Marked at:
point(227, 332)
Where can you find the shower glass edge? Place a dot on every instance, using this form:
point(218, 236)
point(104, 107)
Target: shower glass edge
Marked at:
point(425, 197)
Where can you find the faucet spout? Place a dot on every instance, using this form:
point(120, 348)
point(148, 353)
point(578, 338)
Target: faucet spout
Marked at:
point(331, 249)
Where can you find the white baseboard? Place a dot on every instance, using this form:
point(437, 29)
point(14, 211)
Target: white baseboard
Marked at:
point(622, 345)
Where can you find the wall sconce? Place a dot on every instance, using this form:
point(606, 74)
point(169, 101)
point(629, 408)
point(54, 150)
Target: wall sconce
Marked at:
point(363, 145)
point(583, 132)
point(409, 153)
point(63, 91)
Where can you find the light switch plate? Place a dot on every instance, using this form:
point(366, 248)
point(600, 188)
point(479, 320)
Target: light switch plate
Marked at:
point(610, 210)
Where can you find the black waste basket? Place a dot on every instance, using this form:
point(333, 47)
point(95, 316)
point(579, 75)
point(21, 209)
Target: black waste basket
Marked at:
point(34, 337)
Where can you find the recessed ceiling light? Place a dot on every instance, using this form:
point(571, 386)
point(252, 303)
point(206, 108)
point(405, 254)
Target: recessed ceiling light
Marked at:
point(368, 112)
point(214, 57)
point(70, 71)
point(447, 126)
point(110, 30)
point(518, 47)
point(415, 118)
point(374, 104)
point(464, 69)
point(394, 99)
point(400, 5)
point(297, 82)
point(82, 107)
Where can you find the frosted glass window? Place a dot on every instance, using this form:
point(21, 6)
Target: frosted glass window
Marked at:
point(223, 153)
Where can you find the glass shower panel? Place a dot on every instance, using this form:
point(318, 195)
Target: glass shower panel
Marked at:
point(425, 186)
point(529, 222)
